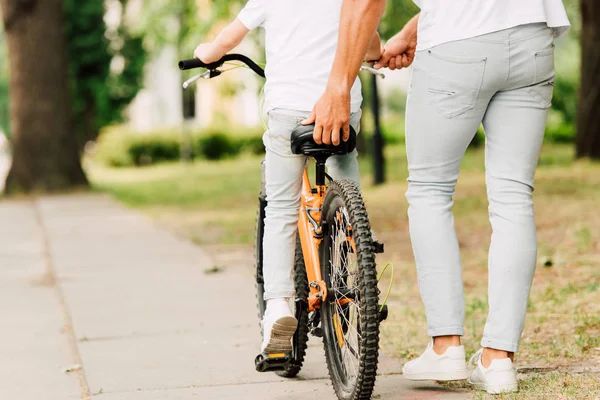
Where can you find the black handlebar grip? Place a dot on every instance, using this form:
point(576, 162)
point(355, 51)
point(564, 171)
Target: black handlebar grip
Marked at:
point(190, 64)
point(195, 63)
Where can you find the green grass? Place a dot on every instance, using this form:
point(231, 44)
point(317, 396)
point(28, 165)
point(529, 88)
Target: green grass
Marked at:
point(214, 203)
point(553, 385)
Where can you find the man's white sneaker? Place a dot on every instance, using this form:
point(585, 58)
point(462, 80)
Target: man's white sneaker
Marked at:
point(500, 377)
point(279, 326)
point(450, 366)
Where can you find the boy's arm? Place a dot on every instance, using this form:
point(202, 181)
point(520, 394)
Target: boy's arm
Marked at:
point(358, 24)
point(375, 49)
point(226, 40)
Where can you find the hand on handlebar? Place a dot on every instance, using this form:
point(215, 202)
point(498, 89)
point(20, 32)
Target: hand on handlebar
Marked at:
point(398, 53)
point(205, 53)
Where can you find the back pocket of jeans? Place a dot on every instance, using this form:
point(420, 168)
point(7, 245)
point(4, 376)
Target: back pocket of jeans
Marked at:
point(544, 65)
point(454, 83)
point(544, 75)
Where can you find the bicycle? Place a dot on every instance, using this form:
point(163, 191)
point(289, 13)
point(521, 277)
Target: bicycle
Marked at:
point(334, 271)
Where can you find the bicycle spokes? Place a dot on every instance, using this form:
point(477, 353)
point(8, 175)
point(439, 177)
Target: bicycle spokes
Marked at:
point(345, 306)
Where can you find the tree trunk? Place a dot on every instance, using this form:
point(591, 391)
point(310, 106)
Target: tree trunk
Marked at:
point(45, 153)
point(588, 124)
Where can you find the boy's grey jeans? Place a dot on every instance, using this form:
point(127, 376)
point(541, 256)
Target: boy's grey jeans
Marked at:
point(283, 185)
point(505, 81)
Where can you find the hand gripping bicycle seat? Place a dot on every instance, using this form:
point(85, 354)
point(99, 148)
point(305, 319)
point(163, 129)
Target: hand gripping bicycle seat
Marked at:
point(304, 144)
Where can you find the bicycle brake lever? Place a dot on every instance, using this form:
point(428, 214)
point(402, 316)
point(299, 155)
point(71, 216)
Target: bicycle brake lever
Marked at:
point(373, 71)
point(212, 73)
point(194, 78)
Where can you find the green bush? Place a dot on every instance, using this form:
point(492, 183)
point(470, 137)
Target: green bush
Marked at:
point(119, 146)
point(560, 133)
point(112, 147)
point(154, 148)
point(217, 146)
point(253, 145)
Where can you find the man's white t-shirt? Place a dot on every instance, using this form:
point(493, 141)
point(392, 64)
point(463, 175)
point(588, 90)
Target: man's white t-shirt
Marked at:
point(301, 38)
point(443, 21)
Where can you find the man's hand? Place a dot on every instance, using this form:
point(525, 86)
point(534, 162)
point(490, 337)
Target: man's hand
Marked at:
point(205, 53)
point(398, 53)
point(331, 115)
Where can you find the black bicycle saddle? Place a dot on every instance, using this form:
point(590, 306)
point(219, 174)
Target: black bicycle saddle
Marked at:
point(304, 144)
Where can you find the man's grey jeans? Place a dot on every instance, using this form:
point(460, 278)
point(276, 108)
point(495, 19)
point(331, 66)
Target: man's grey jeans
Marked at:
point(283, 184)
point(505, 81)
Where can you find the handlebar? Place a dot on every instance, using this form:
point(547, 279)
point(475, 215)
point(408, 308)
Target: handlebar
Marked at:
point(196, 63)
point(212, 69)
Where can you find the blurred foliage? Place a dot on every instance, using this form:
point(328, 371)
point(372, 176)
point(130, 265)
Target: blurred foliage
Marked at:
point(563, 116)
point(100, 93)
point(119, 146)
point(181, 22)
point(397, 13)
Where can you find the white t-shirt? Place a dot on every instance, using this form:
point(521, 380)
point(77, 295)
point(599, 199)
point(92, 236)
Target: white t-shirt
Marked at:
point(443, 21)
point(301, 38)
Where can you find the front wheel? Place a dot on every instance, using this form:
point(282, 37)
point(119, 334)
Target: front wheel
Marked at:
point(350, 318)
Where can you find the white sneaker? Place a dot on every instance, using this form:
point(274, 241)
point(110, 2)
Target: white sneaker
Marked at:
point(450, 366)
point(500, 377)
point(279, 325)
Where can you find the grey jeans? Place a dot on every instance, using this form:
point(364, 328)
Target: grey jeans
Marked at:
point(505, 81)
point(283, 184)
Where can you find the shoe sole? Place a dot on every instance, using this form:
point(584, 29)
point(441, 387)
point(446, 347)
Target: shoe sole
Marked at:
point(495, 389)
point(438, 376)
point(281, 335)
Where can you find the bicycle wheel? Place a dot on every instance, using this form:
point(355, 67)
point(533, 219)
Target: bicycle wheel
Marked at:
point(349, 316)
point(300, 339)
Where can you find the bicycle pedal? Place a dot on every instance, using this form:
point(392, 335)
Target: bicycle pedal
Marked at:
point(383, 314)
point(377, 247)
point(272, 362)
point(317, 331)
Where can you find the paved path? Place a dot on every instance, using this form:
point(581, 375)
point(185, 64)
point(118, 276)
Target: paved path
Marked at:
point(86, 282)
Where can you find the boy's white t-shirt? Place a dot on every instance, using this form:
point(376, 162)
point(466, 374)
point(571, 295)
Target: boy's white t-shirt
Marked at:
point(443, 21)
point(301, 40)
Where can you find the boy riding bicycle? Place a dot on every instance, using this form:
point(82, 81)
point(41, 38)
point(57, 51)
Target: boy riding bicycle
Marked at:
point(301, 40)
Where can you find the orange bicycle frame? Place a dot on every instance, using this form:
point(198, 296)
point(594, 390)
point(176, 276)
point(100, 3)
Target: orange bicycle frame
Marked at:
point(309, 229)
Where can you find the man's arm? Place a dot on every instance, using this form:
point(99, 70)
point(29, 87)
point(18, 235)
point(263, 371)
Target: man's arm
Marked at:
point(226, 40)
point(331, 114)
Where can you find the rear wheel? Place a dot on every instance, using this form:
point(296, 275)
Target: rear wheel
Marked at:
point(300, 340)
point(350, 318)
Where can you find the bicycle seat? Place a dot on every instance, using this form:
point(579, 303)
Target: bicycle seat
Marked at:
point(304, 144)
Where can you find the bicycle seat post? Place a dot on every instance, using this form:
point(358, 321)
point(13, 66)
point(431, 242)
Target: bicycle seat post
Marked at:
point(320, 170)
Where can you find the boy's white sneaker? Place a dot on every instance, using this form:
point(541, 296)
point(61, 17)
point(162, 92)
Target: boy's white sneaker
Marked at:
point(279, 326)
point(450, 366)
point(500, 377)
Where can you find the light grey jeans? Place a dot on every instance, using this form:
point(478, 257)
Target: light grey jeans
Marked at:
point(283, 184)
point(505, 80)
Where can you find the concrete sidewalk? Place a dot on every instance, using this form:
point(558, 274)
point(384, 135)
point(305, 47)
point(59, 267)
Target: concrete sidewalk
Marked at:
point(93, 287)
